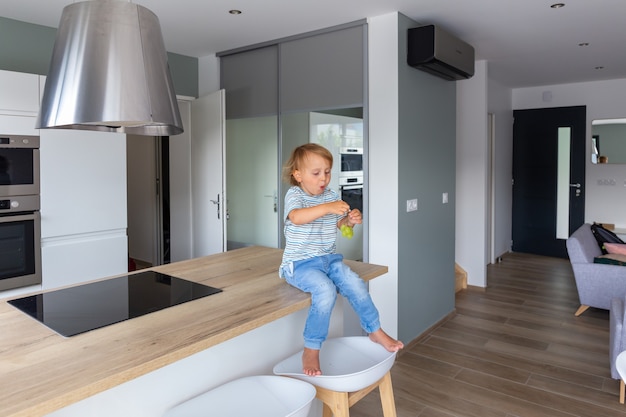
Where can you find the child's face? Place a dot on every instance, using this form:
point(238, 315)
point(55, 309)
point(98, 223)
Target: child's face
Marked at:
point(314, 174)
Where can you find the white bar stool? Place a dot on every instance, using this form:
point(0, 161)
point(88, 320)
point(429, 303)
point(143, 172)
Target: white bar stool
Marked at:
point(259, 396)
point(351, 368)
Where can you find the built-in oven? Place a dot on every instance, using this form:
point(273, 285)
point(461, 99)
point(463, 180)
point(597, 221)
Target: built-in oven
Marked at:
point(351, 162)
point(353, 195)
point(20, 222)
point(19, 165)
point(20, 241)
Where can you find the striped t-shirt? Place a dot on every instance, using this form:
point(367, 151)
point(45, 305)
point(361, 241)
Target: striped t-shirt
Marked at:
point(308, 240)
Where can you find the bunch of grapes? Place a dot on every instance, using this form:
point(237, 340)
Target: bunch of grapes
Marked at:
point(346, 231)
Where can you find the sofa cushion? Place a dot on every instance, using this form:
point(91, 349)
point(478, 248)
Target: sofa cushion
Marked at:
point(611, 259)
point(615, 248)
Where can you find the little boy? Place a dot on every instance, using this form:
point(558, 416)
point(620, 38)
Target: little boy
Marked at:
point(313, 213)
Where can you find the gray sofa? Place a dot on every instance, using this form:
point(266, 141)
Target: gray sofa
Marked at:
point(597, 284)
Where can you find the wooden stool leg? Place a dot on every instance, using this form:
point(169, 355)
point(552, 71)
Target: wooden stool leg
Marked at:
point(386, 396)
point(621, 391)
point(336, 402)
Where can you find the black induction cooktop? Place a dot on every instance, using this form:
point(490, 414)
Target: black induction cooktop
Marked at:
point(74, 310)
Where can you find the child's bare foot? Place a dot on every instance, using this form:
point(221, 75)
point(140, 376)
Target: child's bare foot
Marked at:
point(311, 362)
point(386, 341)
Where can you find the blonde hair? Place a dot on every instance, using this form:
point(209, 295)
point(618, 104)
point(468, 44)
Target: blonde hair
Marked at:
point(299, 155)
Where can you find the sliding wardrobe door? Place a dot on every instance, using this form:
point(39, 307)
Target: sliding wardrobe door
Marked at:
point(322, 84)
point(250, 80)
point(271, 93)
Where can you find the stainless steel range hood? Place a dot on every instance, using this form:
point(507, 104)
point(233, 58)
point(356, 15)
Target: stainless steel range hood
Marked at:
point(109, 72)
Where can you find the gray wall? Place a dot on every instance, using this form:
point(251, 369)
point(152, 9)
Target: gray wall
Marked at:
point(612, 141)
point(426, 169)
point(26, 47)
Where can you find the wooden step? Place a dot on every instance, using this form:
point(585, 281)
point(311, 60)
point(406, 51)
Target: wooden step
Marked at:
point(460, 278)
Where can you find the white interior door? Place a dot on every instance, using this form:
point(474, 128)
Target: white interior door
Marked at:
point(208, 175)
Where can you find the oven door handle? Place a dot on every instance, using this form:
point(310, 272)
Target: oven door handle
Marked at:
point(352, 187)
point(12, 218)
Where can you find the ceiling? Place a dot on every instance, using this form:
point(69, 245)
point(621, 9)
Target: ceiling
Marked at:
point(526, 42)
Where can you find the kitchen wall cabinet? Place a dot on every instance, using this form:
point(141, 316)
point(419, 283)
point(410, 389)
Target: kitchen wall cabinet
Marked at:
point(19, 103)
point(18, 125)
point(83, 190)
point(20, 93)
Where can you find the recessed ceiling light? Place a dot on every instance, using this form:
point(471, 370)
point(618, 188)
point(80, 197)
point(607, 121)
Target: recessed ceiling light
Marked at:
point(234, 11)
point(557, 5)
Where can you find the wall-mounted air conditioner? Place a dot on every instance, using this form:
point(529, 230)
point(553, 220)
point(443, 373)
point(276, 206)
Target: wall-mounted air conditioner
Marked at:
point(435, 51)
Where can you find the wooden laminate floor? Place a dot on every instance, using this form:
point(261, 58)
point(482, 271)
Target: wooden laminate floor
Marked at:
point(512, 349)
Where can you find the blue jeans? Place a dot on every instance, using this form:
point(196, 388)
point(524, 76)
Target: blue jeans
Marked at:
point(322, 276)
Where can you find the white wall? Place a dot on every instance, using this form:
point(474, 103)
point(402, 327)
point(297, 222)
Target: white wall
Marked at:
point(604, 99)
point(499, 104)
point(476, 98)
point(383, 178)
point(180, 188)
point(472, 164)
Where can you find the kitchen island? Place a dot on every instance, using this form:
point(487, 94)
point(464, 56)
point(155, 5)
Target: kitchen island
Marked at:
point(41, 371)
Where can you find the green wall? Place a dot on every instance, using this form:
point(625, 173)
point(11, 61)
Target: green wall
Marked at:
point(426, 169)
point(26, 47)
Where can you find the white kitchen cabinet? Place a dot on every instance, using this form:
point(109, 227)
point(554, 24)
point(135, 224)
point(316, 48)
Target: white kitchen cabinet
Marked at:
point(19, 103)
point(83, 206)
point(83, 182)
point(83, 189)
point(18, 125)
point(72, 260)
point(20, 93)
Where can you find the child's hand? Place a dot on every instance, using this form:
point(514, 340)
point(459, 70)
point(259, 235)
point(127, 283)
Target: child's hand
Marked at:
point(354, 217)
point(338, 207)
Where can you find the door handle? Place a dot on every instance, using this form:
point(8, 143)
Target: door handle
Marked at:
point(217, 202)
point(275, 197)
point(577, 185)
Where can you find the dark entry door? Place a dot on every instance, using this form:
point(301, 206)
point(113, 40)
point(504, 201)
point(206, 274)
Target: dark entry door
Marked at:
point(536, 145)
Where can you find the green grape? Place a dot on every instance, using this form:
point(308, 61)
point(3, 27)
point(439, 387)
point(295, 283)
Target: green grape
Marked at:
point(346, 231)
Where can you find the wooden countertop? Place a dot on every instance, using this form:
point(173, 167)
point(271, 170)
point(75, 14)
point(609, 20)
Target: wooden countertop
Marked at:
point(41, 371)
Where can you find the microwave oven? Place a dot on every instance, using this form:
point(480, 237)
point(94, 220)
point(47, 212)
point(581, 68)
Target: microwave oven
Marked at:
point(351, 162)
point(19, 165)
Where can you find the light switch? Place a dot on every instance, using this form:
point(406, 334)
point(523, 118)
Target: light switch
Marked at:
point(411, 205)
point(444, 198)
